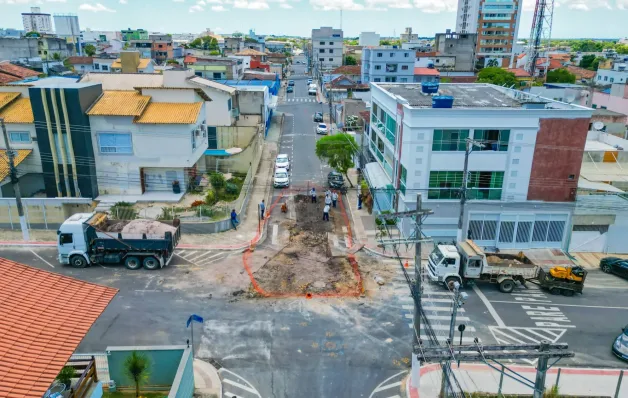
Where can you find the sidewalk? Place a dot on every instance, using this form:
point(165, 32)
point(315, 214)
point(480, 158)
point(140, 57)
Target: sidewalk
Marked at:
point(249, 230)
point(480, 378)
point(206, 380)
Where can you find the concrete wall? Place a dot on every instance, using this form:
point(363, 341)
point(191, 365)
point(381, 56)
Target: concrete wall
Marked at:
point(42, 213)
point(251, 151)
point(462, 46)
point(368, 39)
point(613, 103)
point(24, 49)
point(183, 385)
point(167, 146)
point(217, 111)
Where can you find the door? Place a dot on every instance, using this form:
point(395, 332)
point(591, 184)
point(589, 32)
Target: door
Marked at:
point(142, 180)
point(158, 179)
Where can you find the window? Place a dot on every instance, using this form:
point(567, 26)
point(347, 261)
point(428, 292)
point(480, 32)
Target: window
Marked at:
point(331, 43)
point(392, 55)
point(450, 140)
point(404, 67)
point(391, 79)
point(391, 68)
point(96, 66)
point(602, 107)
point(229, 104)
point(519, 137)
point(612, 80)
point(406, 55)
point(404, 174)
point(444, 184)
point(517, 149)
point(331, 59)
point(379, 55)
point(321, 59)
point(403, 80)
point(331, 51)
point(65, 238)
point(514, 173)
point(483, 185)
point(378, 67)
point(593, 106)
point(105, 67)
point(515, 161)
point(322, 43)
point(212, 141)
point(571, 177)
point(599, 77)
point(377, 79)
point(605, 78)
point(115, 143)
point(322, 50)
point(20, 137)
point(217, 75)
point(494, 140)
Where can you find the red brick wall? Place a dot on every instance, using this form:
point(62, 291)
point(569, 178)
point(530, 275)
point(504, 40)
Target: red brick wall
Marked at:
point(557, 154)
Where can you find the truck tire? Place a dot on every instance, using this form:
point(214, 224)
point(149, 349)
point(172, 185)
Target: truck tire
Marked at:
point(507, 286)
point(132, 262)
point(567, 292)
point(78, 261)
point(554, 290)
point(449, 282)
point(151, 263)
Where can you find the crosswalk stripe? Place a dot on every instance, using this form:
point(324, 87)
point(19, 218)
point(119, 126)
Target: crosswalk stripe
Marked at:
point(443, 327)
point(430, 308)
point(199, 257)
point(447, 317)
point(242, 386)
point(437, 300)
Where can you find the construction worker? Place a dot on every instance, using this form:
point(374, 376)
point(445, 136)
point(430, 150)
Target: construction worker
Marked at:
point(328, 193)
point(284, 207)
point(262, 208)
point(328, 200)
point(234, 219)
point(334, 198)
point(313, 194)
point(326, 213)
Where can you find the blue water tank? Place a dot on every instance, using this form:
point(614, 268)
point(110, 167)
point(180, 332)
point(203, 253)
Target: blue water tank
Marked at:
point(442, 101)
point(429, 87)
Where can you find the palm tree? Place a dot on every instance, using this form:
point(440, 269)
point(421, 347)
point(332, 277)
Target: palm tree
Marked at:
point(137, 368)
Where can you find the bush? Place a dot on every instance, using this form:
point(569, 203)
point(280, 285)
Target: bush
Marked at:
point(65, 376)
point(217, 180)
point(211, 197)
point(232, 189)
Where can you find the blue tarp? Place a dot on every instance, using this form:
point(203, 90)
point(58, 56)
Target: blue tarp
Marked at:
point(273, 85)
point(217, 152)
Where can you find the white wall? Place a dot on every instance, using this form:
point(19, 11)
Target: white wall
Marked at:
point(217, 110)
point(32, 163)
point(171, 95)
point(167, 146)
point(368, 39)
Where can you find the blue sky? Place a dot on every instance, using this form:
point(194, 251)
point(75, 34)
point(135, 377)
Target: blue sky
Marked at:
point(573, 18)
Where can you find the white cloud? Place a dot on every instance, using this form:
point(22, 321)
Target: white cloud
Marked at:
point(97, 7)
point(251, 5)
point(196, 8)
point(218, 9)
point(334, 5)
point(385, 4)
point(622, 4)
point(285, 5)
point(201, 2)
point(436, 6)
point(56, 1)
point(123, 1)
point(179, 1)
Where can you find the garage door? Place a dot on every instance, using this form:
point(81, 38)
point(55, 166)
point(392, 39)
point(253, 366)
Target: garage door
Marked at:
point(588, 238)
point(157, 179)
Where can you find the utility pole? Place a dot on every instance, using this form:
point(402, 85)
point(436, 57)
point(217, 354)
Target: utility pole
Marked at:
point(459, 299)
point(463, 190)
point(14, 182)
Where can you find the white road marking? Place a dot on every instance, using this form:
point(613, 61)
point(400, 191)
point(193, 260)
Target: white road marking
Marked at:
point(382, 383)
point(489, 306)
point(334, 239)
point(567, 305)
point(387, 386)
point(442, 327)
point(242, 386)
point(201, 256)
point(440, 309)
point(447, 317)
point(275, 233)
point(39, 257)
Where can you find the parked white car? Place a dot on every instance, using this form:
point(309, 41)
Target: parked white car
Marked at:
point(281, 179)
point(282, 162)
point(311, 91)
point(321, 128)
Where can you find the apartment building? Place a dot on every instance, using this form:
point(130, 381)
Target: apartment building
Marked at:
point(161, 48)
point(327, 46)
point(37, 21)
point(462, 46)
point(496, 23)
point(407, 36)
point(387, 64)
point(522, 180)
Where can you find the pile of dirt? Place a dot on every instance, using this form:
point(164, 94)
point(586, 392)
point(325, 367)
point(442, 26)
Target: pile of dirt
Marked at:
point(304, 265)
point(138, 227)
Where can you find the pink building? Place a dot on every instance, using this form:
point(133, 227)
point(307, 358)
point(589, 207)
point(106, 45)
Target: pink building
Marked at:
point(616, 101)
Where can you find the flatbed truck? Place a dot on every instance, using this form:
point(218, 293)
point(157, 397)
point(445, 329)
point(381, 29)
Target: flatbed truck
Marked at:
point(92, 238)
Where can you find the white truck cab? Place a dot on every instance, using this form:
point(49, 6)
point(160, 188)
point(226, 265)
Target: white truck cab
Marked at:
point(71, 237)
point(444, 264)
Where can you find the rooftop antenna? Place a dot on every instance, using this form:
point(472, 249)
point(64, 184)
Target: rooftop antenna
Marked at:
point(340, 18)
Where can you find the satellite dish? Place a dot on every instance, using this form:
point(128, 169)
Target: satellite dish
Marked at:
point(598, 125)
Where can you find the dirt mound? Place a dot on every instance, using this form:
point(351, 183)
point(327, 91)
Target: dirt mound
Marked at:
point(148, 227)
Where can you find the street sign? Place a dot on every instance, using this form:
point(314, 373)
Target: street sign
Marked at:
point(194, 318)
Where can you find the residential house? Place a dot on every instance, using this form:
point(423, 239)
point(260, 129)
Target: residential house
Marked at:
point(246, 60)
point(563, 92)
point(161, 48)
point(276, 69)
point(418, 143)
point(278, 46)
point(10, 73)
point(144, 47)
point(368, 39)
point(143, 141)
point(342, 87)
point(327, 48)
point(523, 76)
point(408, 36)
point(582, 75)
point(460, 45)
point(387, 64)
point(254, 54)
point(350, 114)
point(15, 109)
point(34, 51)
point(104, 63)
point(418, 45)
point(273, 78)
point(612, 122)
point(233, 45)
point(426, 75)
point(130, 62)
point(81, 65)
point(255, 42)
point(277, 58)
point(614, 98)
point(353, 72)
point(134, 34)
point(618, 74)
point(215, 68)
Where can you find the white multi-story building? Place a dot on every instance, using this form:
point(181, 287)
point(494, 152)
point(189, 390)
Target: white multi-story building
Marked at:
point(67, 27)
point(496, 22)
point(327, 44)
point(369, 39)
point(387, 64)
point(36, 21)
point(618, 74)
point(522, 182)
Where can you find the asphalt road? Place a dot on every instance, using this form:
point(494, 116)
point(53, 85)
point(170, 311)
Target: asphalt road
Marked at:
point(299, 136)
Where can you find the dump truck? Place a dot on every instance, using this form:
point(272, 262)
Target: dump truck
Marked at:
point(93, 238)
point(465, 261)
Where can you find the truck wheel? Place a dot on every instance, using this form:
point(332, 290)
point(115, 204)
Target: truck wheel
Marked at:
point(151, 263)
point(132, 262)
point(567, 292)
point(449, 282)
point(507, 286)
point(78, 261)
point(554, 290)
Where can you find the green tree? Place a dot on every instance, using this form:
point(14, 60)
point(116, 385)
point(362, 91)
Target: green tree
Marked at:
point(65, 376)
point(32, 34)
point(137, 368)
point(172, 62)
point(56, 56)
point(350, 60)
point(560, 76)
point(338, 151)
point(497, 76)
point(90, 50)
point(237, 34)
point(586, 61)
point(492, 63)
point(385, 42)
point(596, 63)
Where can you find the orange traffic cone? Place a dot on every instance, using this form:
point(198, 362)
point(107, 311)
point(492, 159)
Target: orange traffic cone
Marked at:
point(406, 265)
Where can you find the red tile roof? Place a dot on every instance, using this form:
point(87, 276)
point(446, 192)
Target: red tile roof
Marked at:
point(43, 318)
point(17, 71)
point(420, 54)
point(81, 60)
point(4, 78)
point(348, 70)
point(519, 72)
point(521, 55)
point(581, 73)
point(189, 59)
point(553, 63)
point(426, 72)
